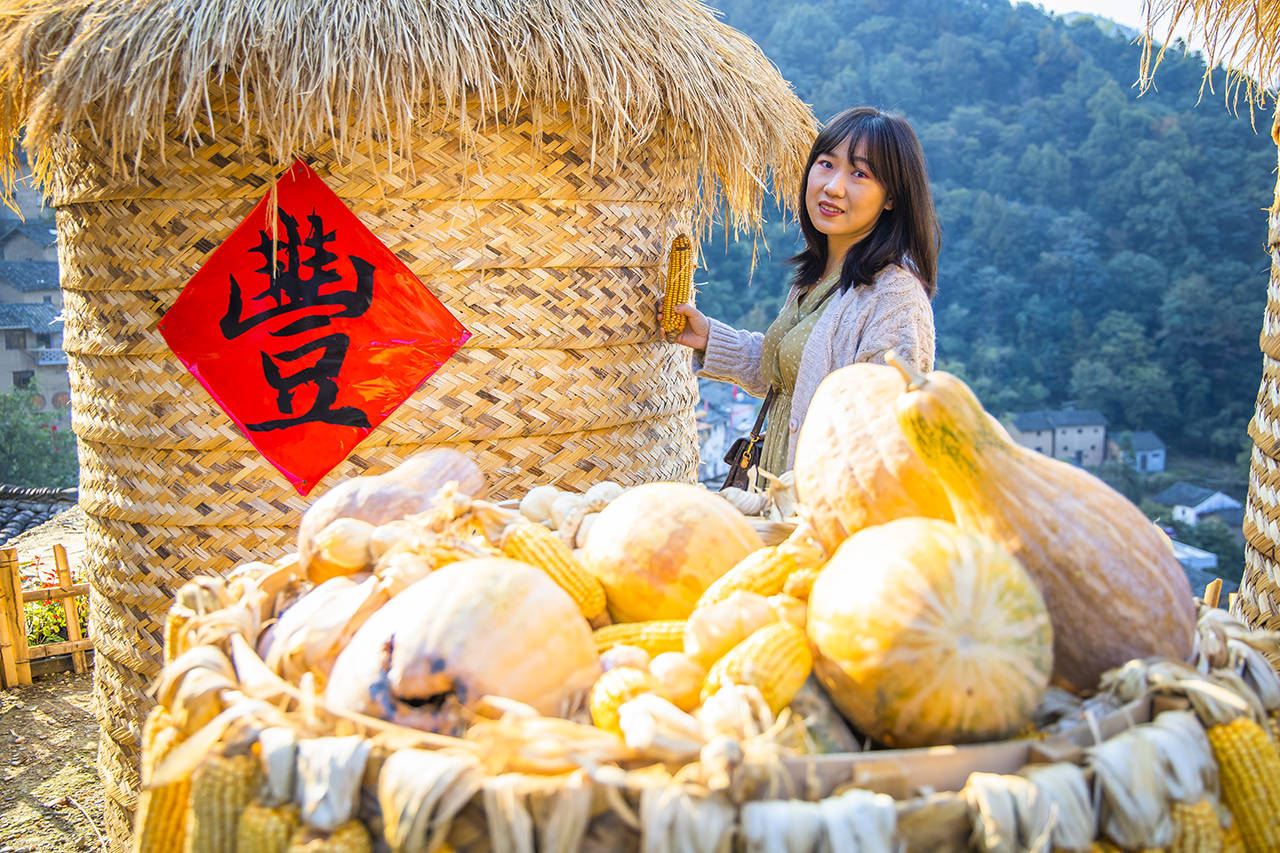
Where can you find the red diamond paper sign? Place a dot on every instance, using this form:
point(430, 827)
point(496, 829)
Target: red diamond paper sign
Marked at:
point(310, 353)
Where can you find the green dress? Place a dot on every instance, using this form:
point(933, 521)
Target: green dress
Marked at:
point(780, 362)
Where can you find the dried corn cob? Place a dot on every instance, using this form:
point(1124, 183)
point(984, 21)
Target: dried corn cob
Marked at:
point(679, 286)
point(763, 571)
point(1195, 827)
point(160, 824)
point(351, 837)
point(221, 788)
point(536, 545)
point(775, 660)
point(612, 689)
point(1250, 770)
point(655, 637)
point(266, 829)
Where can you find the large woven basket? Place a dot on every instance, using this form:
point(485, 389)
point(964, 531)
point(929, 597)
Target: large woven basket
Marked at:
point(1258, 602)
point(553, 264)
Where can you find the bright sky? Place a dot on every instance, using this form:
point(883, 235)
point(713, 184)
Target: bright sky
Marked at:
point(1127, 12)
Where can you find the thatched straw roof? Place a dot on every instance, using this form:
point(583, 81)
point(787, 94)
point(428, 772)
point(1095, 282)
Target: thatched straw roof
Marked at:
point(350, 70)
point(1241, 35)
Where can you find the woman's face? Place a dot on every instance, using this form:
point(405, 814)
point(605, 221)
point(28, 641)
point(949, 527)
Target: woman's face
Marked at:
point(844, 199)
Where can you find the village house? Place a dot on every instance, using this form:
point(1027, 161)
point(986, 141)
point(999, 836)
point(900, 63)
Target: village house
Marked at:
point(1191, 504)
point(727, 412)
point(1144, 451)
point(1078, 436)
point(31, 317)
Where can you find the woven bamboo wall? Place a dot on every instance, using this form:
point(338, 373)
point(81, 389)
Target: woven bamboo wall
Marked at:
point(1258, 603)
point(552, 261)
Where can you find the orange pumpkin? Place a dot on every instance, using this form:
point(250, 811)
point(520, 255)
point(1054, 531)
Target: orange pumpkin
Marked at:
point(658, 546)
point(927, 635)
point(1113, 587)
point(854, 467)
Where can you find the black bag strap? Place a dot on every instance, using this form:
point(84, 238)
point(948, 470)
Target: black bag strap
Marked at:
point(757, 429)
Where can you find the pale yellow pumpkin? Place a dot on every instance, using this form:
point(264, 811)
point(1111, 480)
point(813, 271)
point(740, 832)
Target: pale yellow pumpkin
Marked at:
point(658, 546)
point(926, 635)
point(854, 467)
point(487, 626)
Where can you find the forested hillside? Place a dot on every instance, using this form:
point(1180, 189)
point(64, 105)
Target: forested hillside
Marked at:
point(1100, 248)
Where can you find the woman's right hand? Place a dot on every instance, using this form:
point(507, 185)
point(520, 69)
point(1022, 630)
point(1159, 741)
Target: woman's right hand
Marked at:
point(696, 326)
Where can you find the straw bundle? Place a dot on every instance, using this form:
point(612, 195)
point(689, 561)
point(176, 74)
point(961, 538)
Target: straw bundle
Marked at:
point(1239, 34)
point(530, 162)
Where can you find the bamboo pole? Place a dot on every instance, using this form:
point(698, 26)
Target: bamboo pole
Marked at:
point(72, 647)
point(8, 653)
point(15, 615)
point(54, 593)
point(69, 607)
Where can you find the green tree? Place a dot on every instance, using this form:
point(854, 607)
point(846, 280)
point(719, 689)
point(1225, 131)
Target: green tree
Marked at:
point(33, 451)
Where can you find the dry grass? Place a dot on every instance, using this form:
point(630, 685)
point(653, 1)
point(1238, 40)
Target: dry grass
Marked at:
point(1243, 36)
point(128, 73)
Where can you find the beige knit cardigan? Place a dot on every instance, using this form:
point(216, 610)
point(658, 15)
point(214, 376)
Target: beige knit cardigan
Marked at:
point(862, 324)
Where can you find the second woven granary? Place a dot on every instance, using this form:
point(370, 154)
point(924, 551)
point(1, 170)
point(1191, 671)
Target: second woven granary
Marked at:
point(530, 162)
point(1246, 38)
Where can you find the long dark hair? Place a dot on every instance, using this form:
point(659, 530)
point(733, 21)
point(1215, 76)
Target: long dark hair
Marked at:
point(907, 234)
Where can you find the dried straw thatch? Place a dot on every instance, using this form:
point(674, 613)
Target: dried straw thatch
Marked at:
point(125, 71)
point(1241, 35)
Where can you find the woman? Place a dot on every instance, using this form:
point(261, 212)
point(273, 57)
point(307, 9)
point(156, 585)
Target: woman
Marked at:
point(861, 285)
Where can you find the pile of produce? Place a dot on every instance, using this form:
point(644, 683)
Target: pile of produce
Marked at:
point(649, 668)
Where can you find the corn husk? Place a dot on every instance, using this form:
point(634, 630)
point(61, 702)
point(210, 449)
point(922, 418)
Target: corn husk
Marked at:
point(327, 785)
point(420, 792)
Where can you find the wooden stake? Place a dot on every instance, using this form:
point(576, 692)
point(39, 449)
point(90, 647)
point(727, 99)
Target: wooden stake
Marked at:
point(8, 654)
point(1212, 591)
point(69, 607)
point(15, 614)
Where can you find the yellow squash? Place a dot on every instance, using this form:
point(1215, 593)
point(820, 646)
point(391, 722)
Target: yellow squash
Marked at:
point(1110, 580)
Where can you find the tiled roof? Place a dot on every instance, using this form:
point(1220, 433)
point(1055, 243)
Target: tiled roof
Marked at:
point(29, 276)
point(22, 508)
point(1053, 419)
point(34, 316)
point(1141, 441)
point(44, 235)
point(1031, 422)
point(1232, 516)
point(1183, 494)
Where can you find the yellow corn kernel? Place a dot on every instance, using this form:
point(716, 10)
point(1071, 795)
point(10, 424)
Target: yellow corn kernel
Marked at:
point(775, 659)
point(763, 571)
point(1231, 840)
point(612, 689)
point(1195, 827)
point(536, 545)
point(1249, 768)
point(160, 824)
point(266, 829)
point(351, 837)
point(174, 621)
point(679, 286)
point(221, 788)
point(655, 637)
point(799, 583)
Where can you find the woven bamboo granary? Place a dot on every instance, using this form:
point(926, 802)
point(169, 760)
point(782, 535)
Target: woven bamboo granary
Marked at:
point(530, 162)
point(1245, 39)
